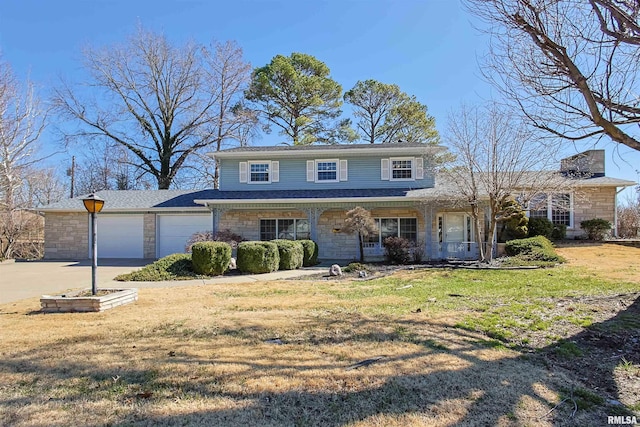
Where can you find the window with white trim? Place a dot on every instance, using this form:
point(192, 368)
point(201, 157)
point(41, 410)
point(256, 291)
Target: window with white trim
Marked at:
point(402, 169)
point(393, 227)
point(557, 208)
point(259, 172)
point(284, 228)
point(327, 170)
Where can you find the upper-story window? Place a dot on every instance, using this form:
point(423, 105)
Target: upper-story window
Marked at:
point(259, 171)
point(402, 169)
point(327, 170)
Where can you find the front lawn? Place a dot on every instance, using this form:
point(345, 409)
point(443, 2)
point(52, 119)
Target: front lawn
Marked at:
point(425, 347)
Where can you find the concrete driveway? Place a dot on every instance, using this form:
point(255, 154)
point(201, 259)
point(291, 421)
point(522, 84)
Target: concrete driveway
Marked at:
point(28, 279)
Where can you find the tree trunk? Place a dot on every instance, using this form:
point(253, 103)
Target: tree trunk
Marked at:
point(475, 213)
point(491, 238)
point(361, 244)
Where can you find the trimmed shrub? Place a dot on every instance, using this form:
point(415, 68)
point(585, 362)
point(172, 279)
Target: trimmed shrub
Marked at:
point(258, 257)
point(310, 257)
point(291, 254)
point(559, 232)
point(397, 250)
point(210, 258)
point(596, 228)
point(226, 236)
point(537, 248)
point(540, 227)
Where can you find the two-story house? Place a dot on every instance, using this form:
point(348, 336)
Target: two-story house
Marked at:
point(301, 192)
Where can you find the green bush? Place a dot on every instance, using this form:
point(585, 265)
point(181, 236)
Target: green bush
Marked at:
point(397, 250)
point(355, 266)
point(210, 258)
point(310, 253)
point(514, 224)
point(258, 257)
point(537, 248)
point(540, 227)
point(171, 267)
point(559, 232)
point(596, 228)
point(291, 254)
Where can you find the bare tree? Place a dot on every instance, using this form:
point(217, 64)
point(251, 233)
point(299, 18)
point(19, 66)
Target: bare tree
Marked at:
point(106, 165)
point(230, 75)
point(497, 159)
point(569, 65)
point(360, 221)
point(22, 120)
point(161, 102)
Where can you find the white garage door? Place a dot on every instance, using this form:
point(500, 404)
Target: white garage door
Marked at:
point(120, 236)
point(175, 230)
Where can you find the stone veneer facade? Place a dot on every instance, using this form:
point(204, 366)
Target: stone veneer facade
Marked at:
point(149, 235)
point(332, 242)
point(590, 203)
point(66, 235)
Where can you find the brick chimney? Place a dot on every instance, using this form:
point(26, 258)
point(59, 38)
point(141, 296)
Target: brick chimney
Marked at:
point(589, 164)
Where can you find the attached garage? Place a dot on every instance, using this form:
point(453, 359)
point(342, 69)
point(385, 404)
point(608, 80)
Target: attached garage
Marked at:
point(175, 230)
point(120, 236)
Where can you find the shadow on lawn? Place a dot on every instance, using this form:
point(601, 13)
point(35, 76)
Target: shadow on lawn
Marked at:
point(465, 389)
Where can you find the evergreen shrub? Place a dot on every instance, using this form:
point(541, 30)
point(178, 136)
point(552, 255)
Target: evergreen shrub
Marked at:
point(291, 254)
point(310, 257)
point(210, 258)
point(257, 257)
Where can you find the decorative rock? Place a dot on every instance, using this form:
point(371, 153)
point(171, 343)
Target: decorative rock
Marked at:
point(232, 264)
point(362, 274)
point(335, 270)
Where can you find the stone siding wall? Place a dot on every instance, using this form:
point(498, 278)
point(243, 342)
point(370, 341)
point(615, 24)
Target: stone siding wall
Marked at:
point(66, 236)
point(149, 235)
point(589, 203)
point(332, 242)
point(247, 223)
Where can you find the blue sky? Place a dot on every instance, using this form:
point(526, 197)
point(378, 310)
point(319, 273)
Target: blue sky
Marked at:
point(429, 48)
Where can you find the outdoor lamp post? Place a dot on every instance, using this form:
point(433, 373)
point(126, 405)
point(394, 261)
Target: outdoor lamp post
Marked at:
point(93, 204)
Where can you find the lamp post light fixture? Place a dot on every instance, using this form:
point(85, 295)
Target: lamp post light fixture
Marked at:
point(93, 204)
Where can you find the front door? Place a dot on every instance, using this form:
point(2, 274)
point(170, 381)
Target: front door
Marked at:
point(455, 235)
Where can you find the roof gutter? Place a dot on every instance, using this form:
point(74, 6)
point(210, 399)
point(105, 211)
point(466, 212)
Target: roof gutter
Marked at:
point(209, 202)
point(335, 153)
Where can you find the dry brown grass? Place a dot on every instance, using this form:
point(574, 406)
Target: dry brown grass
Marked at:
point(200, 355)
point(615, 261)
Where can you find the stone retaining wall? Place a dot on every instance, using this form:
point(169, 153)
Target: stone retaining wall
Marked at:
point(71, 304)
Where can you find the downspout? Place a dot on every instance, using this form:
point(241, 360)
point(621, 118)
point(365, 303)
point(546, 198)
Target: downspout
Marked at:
point(615, 211)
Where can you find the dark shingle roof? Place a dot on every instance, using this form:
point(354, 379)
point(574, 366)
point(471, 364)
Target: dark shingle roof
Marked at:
point(143, 200)
point(130, 199)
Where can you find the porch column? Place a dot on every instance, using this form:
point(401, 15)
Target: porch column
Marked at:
point(428, 230)
point(216, 214)
point(313, 215)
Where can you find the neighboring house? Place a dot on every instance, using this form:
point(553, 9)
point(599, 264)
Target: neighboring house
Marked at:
point(304, 192)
